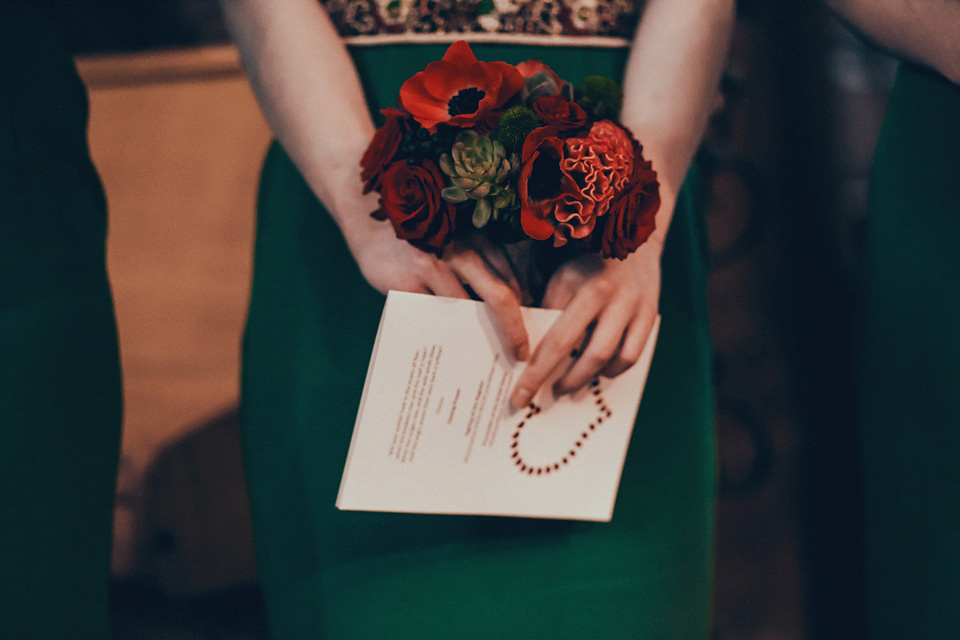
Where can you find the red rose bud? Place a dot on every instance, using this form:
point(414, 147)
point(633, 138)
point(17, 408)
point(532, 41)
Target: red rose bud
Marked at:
point(410, 198)
point(459, 90)
point(557, 111)
point(632, 216)
point(383, 148)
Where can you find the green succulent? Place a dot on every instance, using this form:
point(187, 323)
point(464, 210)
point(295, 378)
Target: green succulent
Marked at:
point(480, 169)
point(539, 84)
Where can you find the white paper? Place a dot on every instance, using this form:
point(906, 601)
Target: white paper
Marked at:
point(436, 433)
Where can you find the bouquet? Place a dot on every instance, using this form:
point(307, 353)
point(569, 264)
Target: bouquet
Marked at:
point(515, 152)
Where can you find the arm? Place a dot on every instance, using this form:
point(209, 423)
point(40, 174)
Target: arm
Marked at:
point(670, 89)
point(311, 96)
point(923, 31)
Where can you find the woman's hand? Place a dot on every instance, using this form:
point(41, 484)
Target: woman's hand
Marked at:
point(609, 306)
point(388, 262)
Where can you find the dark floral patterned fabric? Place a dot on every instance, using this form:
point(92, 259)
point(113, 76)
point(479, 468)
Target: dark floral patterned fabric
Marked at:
point(531, 17)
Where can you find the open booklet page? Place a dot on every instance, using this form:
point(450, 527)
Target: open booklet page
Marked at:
point(436, 433)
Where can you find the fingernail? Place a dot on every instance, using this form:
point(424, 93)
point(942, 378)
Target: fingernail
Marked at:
point(523, 352)
point(520, 398)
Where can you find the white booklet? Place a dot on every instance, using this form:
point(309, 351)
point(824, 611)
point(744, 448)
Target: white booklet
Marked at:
point(436, 433)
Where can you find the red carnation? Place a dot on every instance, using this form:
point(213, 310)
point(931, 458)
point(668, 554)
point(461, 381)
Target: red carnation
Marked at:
point(459, 89)
point(382, 149)
point(632, 216)
point(410, 198)
point(557, 111)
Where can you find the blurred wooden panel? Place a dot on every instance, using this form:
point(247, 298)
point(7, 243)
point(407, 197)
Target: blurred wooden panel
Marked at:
point(178, 139)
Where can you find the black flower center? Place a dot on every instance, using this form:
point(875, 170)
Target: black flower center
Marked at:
point(545, 178)
point(466, 101)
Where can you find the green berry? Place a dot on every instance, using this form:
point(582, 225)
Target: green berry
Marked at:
point(515, 123)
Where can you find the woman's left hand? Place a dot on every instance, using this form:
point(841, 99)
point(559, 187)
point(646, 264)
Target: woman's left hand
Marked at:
point(609, 307)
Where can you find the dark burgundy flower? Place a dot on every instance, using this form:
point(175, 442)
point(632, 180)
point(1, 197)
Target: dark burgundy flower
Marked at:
point(459, 90)
point(557, 111)
point(632, 216)
point(382, 149)
point(410, 198)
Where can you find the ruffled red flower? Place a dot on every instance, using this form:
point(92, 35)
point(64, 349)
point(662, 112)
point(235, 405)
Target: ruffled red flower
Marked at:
point(410, 198)
point(459, 89)
point(602, 163)
point(382, 149)
point(557, 111)
point(632, 216)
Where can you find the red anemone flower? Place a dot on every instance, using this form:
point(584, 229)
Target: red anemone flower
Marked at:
point(542, 183)
point(459, 89)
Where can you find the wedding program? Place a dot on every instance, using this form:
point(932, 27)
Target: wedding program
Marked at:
point(435, 432)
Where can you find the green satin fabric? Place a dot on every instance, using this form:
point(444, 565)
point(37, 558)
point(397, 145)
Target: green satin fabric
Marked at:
point(59, 366)
point(351, 575)
point(910, 364)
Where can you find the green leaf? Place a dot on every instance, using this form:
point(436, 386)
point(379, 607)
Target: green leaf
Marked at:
point(464, 183)
point(453, 194)
point(480, 191)
point(481, 213)
point(446, 166)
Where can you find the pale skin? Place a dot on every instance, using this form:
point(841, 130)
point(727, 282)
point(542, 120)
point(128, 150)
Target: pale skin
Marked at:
point(294, 57)
point(922, 31)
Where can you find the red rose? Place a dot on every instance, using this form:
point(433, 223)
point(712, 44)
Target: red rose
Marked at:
point(459, 90)
point(382, 149)
point(410, 199)
point(632, 216)
point(557, 111)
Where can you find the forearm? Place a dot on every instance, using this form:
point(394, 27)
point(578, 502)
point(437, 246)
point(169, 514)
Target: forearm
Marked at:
point(671, 85)
point(311, 97)
point(923, 31)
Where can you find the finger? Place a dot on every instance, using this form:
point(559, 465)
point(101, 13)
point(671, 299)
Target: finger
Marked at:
point(634, 341)
point(442, 281)
point(498, 262)
point(502, 302)
point(556, 345)
point(559, 293)
point(604, 345)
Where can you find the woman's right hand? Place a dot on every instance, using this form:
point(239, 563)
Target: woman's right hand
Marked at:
point(388, 262)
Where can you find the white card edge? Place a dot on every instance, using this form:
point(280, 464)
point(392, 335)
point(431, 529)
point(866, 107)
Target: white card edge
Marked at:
point(363, 396)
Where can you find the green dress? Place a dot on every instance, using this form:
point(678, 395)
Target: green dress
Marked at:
point(354, 575)
point(910, 364)
point(59, 367)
